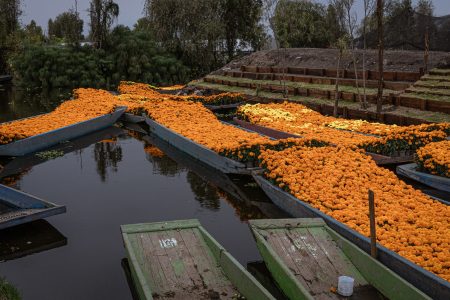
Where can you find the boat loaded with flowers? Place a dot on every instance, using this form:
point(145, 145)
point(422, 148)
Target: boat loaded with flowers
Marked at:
point(413, 230)
point(149, 92)
point(134, 95)
point(191, 127)
point(91, 110)
point(432, 166)
point(385, 143)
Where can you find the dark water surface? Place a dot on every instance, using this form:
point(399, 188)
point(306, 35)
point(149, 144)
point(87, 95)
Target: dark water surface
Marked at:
point(106, 179)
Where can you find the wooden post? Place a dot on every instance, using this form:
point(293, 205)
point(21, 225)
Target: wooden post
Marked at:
point(373, 233)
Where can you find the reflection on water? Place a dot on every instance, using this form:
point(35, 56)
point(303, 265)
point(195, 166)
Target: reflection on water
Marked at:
point(107, 155)
point(162, 164)
point(205, 193)
point(28, 239)
point(16, 103)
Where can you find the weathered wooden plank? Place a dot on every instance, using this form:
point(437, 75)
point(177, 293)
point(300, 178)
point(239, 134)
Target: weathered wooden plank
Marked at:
point(172, 260)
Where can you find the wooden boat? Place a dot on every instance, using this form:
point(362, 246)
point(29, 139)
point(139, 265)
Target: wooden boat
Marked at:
point(427, 282)
point(306, 258)
point(17, 207)
point(28, 239)
point(223, 106)
point(197, 151)
point(180, 260)
point(50, 138)
point(20, 164)
point(5, 78)
point(277, 134)
point(131, 118)
point(437, 182)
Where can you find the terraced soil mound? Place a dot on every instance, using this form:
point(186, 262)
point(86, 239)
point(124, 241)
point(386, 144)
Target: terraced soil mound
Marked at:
point(394, 60)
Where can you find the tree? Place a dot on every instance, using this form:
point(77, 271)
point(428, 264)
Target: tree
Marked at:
point(341, 45)
point(300, 24)
point(241, 23)
point(9, 17)
point(205, 33)
point(368, 9)
point(400, 24)
point(9, 23)
point(102, 14)
point(67, 26)
point(380, 10)
point(33, 34)
point(335, 20)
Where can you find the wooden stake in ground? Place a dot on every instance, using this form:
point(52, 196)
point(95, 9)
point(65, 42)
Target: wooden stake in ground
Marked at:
point(427, 50)
point(373, 233)
point(380, 8)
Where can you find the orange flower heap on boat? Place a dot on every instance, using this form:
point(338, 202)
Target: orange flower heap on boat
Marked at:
point(336, 181)
point(88, 104)
point(197, 123)
point(435, 158)
point(151, 93)
point(298, 119)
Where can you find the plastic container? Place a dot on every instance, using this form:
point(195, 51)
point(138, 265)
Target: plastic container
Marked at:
point(345, 286)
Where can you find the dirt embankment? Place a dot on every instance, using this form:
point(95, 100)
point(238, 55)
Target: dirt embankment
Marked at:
point(394, 60)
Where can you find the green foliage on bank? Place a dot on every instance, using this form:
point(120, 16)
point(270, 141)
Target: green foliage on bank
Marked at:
point(131, 55)
point(7, 291)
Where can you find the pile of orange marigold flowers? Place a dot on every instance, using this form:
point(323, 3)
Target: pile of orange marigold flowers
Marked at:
point(88, 104)
point(336, 181)
point(435, 158)
point(150, 93)
point(195, 122)
point(300, 120)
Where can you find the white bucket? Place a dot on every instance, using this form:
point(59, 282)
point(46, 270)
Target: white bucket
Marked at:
point(345, 286)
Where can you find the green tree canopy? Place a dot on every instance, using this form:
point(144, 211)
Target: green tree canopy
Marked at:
point(301, 24)
point(67, 26)
point(205, 33)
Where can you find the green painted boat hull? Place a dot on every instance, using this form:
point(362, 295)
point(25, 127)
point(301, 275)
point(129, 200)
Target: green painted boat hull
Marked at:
point(373, 272)
point(242, 281)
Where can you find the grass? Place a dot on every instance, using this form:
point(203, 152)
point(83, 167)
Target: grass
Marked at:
point(324, 87)
point(422, 95)
point(436, 78)
point(400, 111)
point(433, 84)
point(444, 72)
point(445, 93)
point(8, 291)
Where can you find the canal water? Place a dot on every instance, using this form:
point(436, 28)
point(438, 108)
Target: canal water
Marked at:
point(106, 179)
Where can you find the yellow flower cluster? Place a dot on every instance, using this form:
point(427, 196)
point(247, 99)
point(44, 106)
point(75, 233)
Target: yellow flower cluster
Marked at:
point(435, 158)
point(336, 181)
point(297, 119)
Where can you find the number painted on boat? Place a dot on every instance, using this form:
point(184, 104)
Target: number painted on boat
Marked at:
point(168, 243)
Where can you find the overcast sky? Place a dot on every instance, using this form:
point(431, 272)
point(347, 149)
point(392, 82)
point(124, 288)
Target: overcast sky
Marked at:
point(131, 10)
